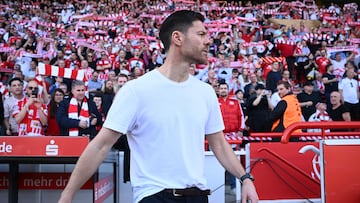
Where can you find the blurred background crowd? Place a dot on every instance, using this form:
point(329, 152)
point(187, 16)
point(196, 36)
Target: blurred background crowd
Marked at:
point(312, 49)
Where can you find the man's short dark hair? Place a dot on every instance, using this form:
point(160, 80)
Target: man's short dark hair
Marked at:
point(76, 83)
point(177, 21)
point(285, 83)
point(223, 83)
point(328, 66)
point(15, 79)
point(123, 76)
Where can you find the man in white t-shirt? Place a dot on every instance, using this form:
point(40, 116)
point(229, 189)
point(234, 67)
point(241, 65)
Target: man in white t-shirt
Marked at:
point(16, 89)
point(349, 89)
point(339, 64)
point(166, 115)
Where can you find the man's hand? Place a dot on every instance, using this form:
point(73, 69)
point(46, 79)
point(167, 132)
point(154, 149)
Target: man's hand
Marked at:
point(248, 192)
point(93, 121)
point(30, 101)
point(83, 124)
point(37, 103)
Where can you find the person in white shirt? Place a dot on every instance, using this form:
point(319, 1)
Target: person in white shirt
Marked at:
point(339, 64)
point(349, 89)
point(166, 115)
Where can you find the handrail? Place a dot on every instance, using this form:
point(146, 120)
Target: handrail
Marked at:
point(322, 125)
point(286, 162)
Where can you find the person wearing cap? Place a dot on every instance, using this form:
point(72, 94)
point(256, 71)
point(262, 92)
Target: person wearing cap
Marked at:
point(258, 106)
point(308, 98)
point(287, 111)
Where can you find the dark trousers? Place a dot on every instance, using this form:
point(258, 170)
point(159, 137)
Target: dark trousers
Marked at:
point(354, 111)
point(165, 197)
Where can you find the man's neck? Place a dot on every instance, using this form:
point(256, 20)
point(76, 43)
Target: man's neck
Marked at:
point(18, 96)
point(224, 97)
point(335, 106)
point(308, 92)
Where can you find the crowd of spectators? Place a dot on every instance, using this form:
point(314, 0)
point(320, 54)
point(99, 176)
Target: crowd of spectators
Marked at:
point(111, 42)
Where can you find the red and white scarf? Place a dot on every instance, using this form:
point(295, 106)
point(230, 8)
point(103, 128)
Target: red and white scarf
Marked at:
point(73, 114)
point(322, 116)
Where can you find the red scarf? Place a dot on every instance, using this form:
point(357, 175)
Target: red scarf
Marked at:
point(31, 124)
point(74, 114)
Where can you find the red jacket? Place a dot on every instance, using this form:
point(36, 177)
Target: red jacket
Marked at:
point(232, 114)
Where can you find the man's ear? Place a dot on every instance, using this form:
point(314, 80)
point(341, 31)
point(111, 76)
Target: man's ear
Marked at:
point(177, 38)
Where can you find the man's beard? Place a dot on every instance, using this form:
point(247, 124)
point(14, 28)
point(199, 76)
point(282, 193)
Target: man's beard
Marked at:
point(223, 95)
point(109, 90)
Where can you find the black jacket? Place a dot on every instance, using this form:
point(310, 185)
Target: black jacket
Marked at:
point(65, 122)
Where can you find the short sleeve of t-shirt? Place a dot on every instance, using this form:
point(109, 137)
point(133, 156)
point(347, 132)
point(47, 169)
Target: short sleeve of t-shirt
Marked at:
point(121, 115)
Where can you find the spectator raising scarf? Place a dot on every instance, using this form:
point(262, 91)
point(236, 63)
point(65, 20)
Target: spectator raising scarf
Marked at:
point(83, 115)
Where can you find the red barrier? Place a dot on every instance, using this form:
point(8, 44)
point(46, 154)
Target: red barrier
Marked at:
point(303, 136)
point(323, 126)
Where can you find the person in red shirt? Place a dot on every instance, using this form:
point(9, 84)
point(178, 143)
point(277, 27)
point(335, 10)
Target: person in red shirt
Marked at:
point(286, 49)
point(136, 62)
point(231, 111)
point(233, 117)
point(56, 97)
point(30, 112)
point(322, 61)
point(102, 66)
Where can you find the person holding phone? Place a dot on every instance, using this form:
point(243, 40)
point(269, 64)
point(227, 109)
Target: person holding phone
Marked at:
point(30, 112)
point(259, 107)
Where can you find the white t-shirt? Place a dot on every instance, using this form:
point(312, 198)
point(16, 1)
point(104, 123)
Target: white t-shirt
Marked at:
point(349, 89)
point(166, 123)
point(8, 112)
point(339, 67)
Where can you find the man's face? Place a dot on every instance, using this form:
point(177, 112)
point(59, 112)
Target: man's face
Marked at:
point(61, 63)
point(136, 53)
point(122, 54)
point(78, 92)
point(121, 81)
point(60, 54)
point(109, 84)
point(282, 90)
point(309, 88)
point(338, 57)
point(350, 73)
point(195, 43)
point(32, 86)
point(223, 90)
point(16, 87)
point(95, 76)
point(335, 98)
point(33, 65)
point(97, 101)
point(286, 74)
point(331, 69)
point(323, 53)
point(253, 78)
point(63, 88)
point(84, 64)
point(73, 56)
point(275, 66)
